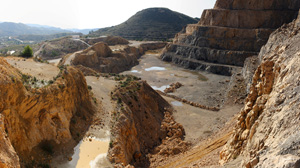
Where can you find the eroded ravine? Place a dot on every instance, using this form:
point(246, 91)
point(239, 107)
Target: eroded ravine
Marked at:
point(92, 149)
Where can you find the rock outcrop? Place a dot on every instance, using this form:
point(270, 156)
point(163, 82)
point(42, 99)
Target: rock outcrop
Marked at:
point(57, 48)
point(173, 87)
point(267, 132)
point(140, 123)
point(226, 35)
point(250, 65)
point(37, 117)
point(101, 58)
point(8, 155)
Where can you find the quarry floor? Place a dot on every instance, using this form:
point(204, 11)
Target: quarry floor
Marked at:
point(200, 87)
point(203, 127)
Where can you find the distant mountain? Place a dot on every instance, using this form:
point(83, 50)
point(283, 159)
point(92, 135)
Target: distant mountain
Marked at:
point(149, 24)
point(39, 38)
point(43, 26)
point(16, 29)
point(83, 31)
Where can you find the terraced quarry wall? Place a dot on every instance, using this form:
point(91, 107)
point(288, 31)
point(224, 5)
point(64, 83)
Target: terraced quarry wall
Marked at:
point(226, 35)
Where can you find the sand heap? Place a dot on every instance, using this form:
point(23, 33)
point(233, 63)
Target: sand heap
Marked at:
point(226, 35)
point(267, 132)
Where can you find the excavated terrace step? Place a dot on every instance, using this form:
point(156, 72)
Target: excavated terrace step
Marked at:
point(227, 32)
point(224, 38)
point(193, 64)
point(247, 18)
point(227, 57)
point(258, 4)
point(236, 44)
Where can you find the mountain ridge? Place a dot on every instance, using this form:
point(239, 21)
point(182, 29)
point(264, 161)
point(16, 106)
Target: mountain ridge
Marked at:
point(16, 29)
point(150, 24)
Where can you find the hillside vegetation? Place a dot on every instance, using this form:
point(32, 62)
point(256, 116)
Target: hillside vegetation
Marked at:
point(16, 29)
point(149, 24)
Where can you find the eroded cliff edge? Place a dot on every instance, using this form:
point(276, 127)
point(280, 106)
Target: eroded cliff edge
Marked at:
point(37, 120)
point(142, 125)
point(267, 131)
point(226, 35)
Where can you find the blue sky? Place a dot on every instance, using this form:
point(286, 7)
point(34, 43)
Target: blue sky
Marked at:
point(90, 13)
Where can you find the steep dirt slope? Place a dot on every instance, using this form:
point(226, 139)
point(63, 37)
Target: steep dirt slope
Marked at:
point(267, 131)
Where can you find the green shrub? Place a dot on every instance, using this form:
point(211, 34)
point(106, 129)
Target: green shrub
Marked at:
point(27, 52)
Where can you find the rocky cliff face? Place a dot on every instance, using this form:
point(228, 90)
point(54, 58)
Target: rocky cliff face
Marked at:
point(140, 123)
point(8, 155)
point(267, 131)
point(33, 117)
point(226, 35)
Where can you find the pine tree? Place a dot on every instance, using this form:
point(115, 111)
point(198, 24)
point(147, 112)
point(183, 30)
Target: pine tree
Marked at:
point(27, 53)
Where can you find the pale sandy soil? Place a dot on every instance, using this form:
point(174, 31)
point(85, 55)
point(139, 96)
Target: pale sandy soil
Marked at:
point(138, 43)
point(199, 123)
point(201, 87)
point(41, 71)
point(207, 130)
point(206, 153)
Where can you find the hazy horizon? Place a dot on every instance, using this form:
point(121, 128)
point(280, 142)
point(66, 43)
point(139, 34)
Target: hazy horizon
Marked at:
point(88, 14)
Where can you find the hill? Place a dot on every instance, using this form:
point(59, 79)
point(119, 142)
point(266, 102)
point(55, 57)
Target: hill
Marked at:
point(16, 29)
point(83, 31)
point(149, 24)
